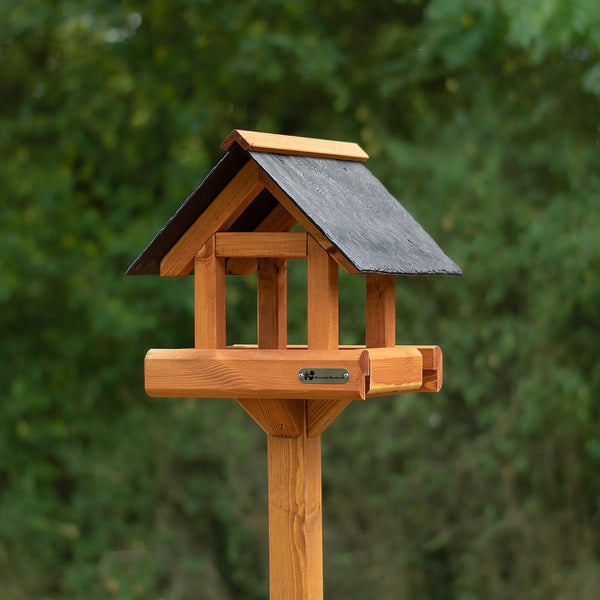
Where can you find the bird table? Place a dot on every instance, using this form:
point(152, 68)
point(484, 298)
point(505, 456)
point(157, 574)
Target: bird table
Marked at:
point(239, 220)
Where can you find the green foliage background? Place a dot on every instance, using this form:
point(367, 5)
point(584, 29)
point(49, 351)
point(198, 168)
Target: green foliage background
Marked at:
point(481, 117)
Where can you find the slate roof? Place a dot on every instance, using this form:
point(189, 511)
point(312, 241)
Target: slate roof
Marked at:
point(342, 198)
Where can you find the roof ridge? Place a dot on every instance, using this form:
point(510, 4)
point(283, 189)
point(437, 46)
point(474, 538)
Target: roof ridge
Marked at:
point(273, 143)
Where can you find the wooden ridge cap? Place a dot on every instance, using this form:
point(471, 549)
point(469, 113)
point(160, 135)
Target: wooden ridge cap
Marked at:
point(273, 143)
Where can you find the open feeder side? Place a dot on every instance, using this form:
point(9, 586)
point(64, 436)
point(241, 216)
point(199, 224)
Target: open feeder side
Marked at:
point(238, 220)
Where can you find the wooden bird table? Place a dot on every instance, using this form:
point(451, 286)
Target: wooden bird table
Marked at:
point(239, 220)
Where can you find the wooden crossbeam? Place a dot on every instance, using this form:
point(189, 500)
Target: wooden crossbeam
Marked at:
point(219, 215)
point(281, 245)
point(257, 141)
point(274, 373)
point(279, 219)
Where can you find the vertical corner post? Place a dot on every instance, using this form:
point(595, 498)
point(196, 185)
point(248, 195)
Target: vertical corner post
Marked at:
point(380, 321)
point(323, 327)
point(209, 294)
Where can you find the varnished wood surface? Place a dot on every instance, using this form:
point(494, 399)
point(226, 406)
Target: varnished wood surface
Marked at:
point(240, 373)
point(295, 521)
point(432, 374)
point(433, 369)
point(282, 415)
point(279, 219)
point(394, 370)
point(260, 244)
point(380, 321)
point(258, 141)
point(323, 328)
point(218, 216)
point(209, 298)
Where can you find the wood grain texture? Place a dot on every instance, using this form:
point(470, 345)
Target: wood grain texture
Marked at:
point(271, 307)
point(218, 216)
point(289, 144)
point(209, 298)
point(432, 364)
point(295, 517)
point(250, 373)
point(282, 415)
point(279, 219)
point(322, 303)
point(278, 417)
point(433, 369)
point(251, 406)
point(432, 357)
point(323, 328)
point(380, 322)
point(394, 370)
point(260, 244)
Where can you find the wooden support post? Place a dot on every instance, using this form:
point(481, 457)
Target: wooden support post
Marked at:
point(323, 326)
point(209, 283)
point(380, 304)
point(295, 521)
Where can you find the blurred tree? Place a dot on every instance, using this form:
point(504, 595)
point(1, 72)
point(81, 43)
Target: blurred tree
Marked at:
point(482, 118)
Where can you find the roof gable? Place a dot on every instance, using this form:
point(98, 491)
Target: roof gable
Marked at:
point(340, 201)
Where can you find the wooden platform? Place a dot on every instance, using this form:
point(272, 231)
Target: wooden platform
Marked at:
point(246, 372)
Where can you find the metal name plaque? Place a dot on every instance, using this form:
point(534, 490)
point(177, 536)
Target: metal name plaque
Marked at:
point(324, 375)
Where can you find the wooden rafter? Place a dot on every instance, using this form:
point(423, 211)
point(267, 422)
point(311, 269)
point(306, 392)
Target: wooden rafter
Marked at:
point(306, 223)
point(279, 219)
point(261, 245)
point(218, 216)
